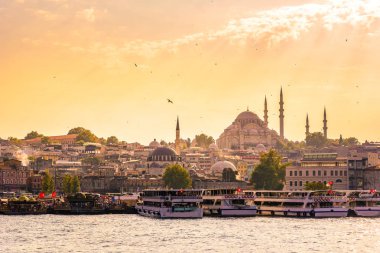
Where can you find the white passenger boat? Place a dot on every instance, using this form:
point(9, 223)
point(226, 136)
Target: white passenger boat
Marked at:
point(300, 204)
point(228, 202)
point(170, 203)
point(364, 203)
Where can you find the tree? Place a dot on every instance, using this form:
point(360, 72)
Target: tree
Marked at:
point(76, 130)
point(350, 141)
point(203, 140)
point(45, 140)
point(75, 185)
point(269, 174)
point(32, 135)
point(14, 140)
point(176, 177)
point(48, 183)
point(66, 184)
point(315, 186)
point(228, 175)
point(112, 140)
point(87, 136)
point(316, 140)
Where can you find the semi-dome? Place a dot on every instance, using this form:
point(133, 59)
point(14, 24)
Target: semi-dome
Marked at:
point(260, 147)
point(154, 144)
point(218, 167)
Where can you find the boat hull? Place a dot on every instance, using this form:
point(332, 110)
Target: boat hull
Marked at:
point(167, 213)
point(367, 211)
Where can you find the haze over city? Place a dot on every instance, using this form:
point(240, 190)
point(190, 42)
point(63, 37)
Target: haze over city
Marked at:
point(110, 66)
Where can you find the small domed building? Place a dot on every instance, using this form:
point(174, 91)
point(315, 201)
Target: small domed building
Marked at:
point(218, 168)
point(154, 144)
point(160, 158)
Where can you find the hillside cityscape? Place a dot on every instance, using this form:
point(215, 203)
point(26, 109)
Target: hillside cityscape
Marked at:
point(109, 165)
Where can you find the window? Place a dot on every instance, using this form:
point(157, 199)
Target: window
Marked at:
point(295, 173)
point(338, 181)
point(291, 173)
point(295, 183)
point(341, 173)
point(336, 173)
point(300, 183)
point(290, 183)
point(325, 173)
point(331, 173)
point(307, 173)
point(313, 173)
point(300, 173)
point(319, 173)
point(345, 173)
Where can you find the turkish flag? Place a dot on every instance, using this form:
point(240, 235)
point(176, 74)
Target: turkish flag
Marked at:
point(41, 195)
point(53, 194)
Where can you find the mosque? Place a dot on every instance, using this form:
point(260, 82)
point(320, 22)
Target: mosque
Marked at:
point(249, 131)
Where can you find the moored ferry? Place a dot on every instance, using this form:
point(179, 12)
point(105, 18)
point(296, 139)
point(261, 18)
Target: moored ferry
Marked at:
point(22, 206)
point(364, 203)
point(171, 203)
point(301, 204)
point(228, 202)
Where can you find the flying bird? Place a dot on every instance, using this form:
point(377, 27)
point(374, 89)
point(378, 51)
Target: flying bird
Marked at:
point(169, 101)
point(135, 65)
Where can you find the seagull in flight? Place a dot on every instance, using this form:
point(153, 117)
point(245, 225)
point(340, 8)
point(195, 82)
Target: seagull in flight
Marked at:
point(169, 101)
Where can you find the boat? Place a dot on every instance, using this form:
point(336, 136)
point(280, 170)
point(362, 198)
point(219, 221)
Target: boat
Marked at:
point(122, 203)
point(228, 202)
point(22, 206)
point(170, 203)
point(316, 204)
point(80, 203)
point(364, 203)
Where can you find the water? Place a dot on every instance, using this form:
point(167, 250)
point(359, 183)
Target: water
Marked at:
point(132, 233)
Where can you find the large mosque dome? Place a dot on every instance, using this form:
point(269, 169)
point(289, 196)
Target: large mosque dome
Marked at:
point(163, 154)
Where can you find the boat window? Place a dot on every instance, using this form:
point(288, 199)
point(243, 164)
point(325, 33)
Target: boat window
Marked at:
point(208, 202)
point(338, 181)
point(238, 202)
point(293, 204)
point(218, 202)
point(266, 203)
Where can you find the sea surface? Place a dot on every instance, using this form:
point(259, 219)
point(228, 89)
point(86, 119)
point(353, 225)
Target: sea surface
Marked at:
point(133, 233)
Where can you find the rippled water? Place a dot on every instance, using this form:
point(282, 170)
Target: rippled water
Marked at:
point(132, 233)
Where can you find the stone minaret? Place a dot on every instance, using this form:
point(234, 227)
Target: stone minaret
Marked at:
point(177, 138)
point(265, 112)
point(281, 115)
point(325, 124)
point(307, 125)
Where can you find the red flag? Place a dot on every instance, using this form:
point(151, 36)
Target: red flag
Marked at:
point(53, 194)
point(41, 195)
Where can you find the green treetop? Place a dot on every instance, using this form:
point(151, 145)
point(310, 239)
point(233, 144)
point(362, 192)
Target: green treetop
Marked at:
point(269, 174)
point(176, 177)
point(48, 183)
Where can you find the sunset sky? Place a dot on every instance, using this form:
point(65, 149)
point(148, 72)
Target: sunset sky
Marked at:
point(110, 66)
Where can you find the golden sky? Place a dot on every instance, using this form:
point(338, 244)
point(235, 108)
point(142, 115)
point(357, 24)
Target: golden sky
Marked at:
point(111, 65)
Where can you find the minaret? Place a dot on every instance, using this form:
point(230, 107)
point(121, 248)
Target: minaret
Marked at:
point(281, 115)
point(325, 124)
point(307, 125)
point(265, 112)
point(177, 138)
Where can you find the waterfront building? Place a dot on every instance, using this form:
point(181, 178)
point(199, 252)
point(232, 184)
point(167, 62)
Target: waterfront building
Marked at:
point(13, 176)
point(318, 167)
